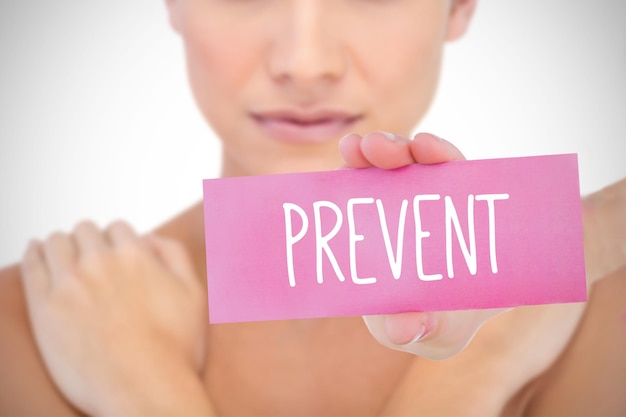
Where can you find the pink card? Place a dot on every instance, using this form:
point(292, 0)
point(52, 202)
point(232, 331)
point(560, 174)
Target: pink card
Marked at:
point(454, 236)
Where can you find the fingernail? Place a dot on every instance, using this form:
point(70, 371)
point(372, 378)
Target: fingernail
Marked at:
point(389, 136)
point(421, 332)
point(406, 328)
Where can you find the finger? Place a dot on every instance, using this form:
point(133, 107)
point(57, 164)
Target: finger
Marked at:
point(404, 330)
point(89, 239)
point(429, 335)
point(34, 272)
point(60, 255)
point(430, 149)
point(408, 328)
point(120, 233)
point(412, 334)
point(174, 257)
point(350, 149)
point(386, 150)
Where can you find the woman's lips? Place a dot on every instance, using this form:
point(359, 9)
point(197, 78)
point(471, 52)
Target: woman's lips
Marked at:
point(296, 128)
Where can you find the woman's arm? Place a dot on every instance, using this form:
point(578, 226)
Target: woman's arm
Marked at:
point(26, 389)
point(589, 377)
point(524, 363)
point(516, 347)
point(119, 319)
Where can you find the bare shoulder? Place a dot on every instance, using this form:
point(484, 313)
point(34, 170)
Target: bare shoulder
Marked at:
point(25, 387)
point(188, 229)
point(589, 378)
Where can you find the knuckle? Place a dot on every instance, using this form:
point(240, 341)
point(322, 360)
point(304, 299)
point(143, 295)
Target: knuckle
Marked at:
point(114, 260)
point(130, 251)
point(71, 275)
point(131, 255)
point(94, 263)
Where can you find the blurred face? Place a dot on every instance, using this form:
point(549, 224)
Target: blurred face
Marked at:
point(281, 81)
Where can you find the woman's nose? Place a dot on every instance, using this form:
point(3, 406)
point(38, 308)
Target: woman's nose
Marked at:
point(306, 51)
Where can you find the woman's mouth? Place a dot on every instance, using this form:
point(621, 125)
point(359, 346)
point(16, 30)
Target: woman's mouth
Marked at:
point(311, 127)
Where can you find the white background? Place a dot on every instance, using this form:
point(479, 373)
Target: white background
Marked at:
point(94, 101)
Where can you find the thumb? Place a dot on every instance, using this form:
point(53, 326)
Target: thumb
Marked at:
point(434, 336)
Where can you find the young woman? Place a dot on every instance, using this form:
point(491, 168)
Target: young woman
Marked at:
point(115, 324)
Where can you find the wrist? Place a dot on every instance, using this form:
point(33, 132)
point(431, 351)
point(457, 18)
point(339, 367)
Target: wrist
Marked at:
point(165, 392)
point(480, 386)
point(451, 387)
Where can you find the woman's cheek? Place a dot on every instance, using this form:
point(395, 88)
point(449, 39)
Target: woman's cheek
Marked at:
point(213, 71)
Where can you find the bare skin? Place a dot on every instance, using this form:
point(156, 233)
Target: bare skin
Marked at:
point(298, 61)
point(334, 367)
point(262, 365)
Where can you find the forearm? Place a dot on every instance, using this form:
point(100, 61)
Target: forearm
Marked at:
point(171, 392)
point(450, 388)
point(23, 375)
